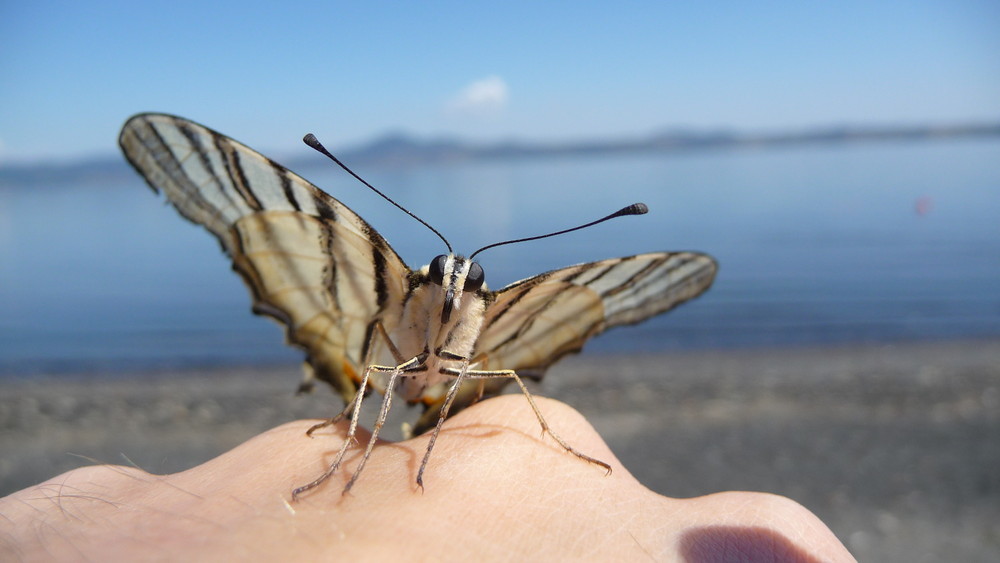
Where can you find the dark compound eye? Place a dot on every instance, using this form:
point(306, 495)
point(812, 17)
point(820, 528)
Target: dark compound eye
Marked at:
point(475, 278)
point(436, 272)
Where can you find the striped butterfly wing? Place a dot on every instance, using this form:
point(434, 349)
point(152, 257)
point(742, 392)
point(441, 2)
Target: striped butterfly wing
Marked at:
point(533, 323)
point(309, 261)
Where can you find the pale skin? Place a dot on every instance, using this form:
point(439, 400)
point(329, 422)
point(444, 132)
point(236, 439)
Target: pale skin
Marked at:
point(494, 489)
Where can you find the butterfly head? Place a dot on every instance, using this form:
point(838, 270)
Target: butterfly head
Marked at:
point(455, 275)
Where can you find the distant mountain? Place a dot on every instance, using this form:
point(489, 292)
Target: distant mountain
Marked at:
point(110, 168)
point(400, 149)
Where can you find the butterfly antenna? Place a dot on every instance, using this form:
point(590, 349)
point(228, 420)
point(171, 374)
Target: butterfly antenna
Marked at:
point(313, 142)
point(634, 209)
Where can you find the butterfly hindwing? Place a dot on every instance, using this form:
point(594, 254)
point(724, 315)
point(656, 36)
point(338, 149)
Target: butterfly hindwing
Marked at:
point(309, 261)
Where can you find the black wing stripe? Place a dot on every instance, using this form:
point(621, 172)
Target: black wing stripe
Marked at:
point(414, 281)
point(381, 270)
point(580, 271)
point(634, 279)
point(237, 175)
point(170, 165)
point(202, 153)
point(331, 271)
point(324, 209)
point(369, 334)
point(286, 185)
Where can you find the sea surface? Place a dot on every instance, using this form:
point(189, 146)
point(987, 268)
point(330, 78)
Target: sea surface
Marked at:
point(817, 245)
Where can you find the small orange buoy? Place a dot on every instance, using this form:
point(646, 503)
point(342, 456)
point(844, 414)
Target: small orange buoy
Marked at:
point(923, 205)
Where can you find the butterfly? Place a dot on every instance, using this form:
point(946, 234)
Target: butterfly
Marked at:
point(436, 336)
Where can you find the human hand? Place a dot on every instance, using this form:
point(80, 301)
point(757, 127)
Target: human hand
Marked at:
point(495, 489)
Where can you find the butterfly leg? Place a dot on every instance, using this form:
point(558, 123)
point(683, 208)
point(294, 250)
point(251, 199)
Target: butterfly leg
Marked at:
point(387, 399)
point(383, 413)
point(448, 400)
point(331, 421)
point(355, 409)
point(490, 374)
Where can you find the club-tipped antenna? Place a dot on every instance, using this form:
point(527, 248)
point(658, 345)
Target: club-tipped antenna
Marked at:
point(634, 209)
point(313, 142)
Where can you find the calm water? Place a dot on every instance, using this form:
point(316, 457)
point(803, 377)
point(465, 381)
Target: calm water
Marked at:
point(817, 245)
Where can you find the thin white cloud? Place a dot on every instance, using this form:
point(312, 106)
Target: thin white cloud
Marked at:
point(487, 95)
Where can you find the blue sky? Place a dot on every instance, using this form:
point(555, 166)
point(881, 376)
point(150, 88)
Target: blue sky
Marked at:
point(264, 73)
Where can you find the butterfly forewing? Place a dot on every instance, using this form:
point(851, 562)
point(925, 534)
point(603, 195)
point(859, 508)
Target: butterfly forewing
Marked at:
point(534, 322)
point(310, 262)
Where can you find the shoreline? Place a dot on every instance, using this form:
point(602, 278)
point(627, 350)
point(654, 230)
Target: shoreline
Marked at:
point(195, 370)
point(895, 446)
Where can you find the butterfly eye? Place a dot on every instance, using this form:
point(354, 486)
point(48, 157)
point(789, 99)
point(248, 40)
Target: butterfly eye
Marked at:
point(437, 269)
point(475, 278)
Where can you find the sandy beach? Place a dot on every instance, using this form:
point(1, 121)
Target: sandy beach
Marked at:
point(895, 447)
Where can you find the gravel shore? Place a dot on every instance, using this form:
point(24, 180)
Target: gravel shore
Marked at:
point(895, 447)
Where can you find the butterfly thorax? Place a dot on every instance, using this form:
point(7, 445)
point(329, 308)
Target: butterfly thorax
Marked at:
point(442, 320)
